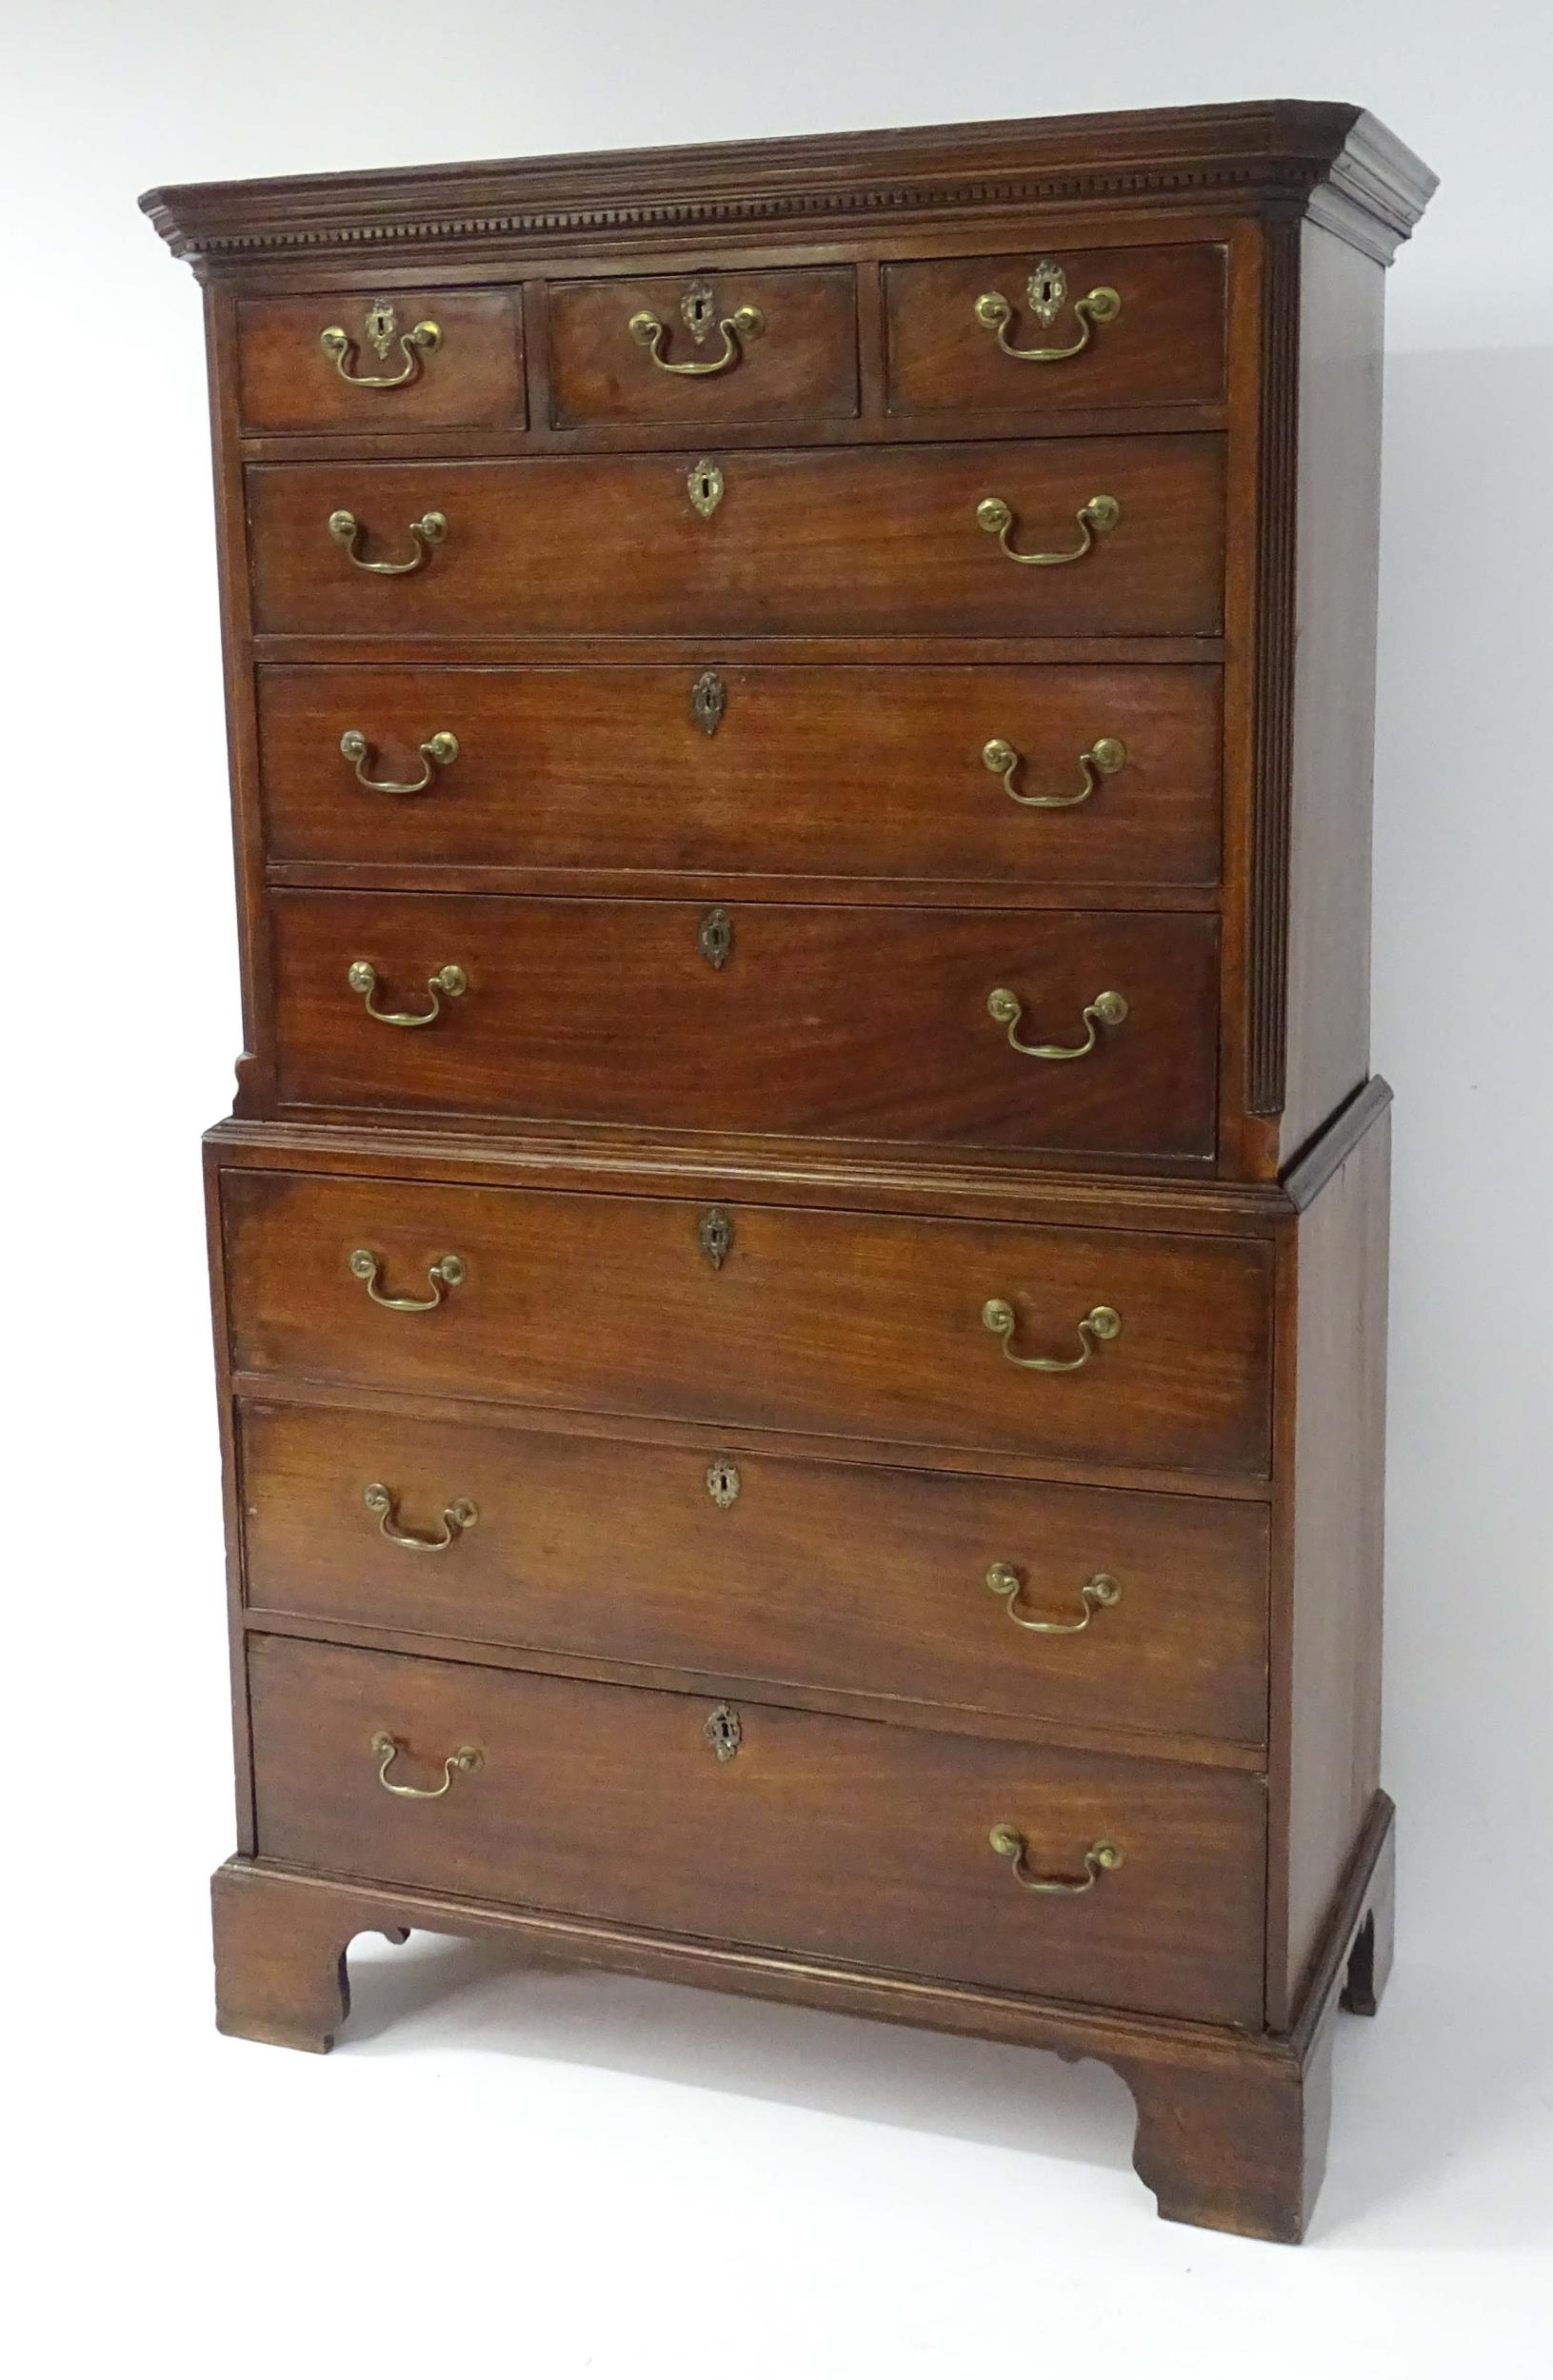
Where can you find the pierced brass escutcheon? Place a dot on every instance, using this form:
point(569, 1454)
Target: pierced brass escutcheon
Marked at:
point(1046, 293)
point(705, 483)
point(449, 982)
point(1100, 1323)
point(428, 531)
point(457, 1516)
point(708, 701)
point(381, 324)
point(1097, 1594)
point(714, 936)
point(438, 751)
point(467, 1762)
point(715, 1234)
point(1106, 1009)
point(1103, 758)
point(446, 1274)
point(724, 1731)
point(723, 1482)
point(1094, 518)
point(1102, 1858)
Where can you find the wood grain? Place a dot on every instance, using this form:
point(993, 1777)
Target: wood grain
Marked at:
point(804, 361)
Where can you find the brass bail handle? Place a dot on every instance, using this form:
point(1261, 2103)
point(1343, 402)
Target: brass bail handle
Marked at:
point(1106, 1009)
point(449, 982)
point(994, 312)
point(444, 1275)
point(428, 531)
point(1100, 1324)
point(438, 751)
point(1104, 757)
point(467, 1762)
point(1102, 1858)
point(457, 1516)
point(423, 340)
point(737, 329)
point(1095, 519)
point(1097, 1594)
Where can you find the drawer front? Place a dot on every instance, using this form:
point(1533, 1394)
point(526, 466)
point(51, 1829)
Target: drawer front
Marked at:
point(1087, 328)
point(839, 1839)
point(857, 1326)
point(1105, 1609)
point(844, 541)
point(939, 774)
point(381, 369)
point(704, 347)
point(764, 1017)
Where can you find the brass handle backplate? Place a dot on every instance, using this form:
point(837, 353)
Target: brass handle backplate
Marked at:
point(1106, 1009)
point(738, 328)
point(1101, 1322)
point(428, 531)
point(450, 982)
point(1096, 1593)
point(1102, 1858)
point(1045, 293)
point(438, 751)
point(457, 1516)
point(424, 339)
point(467, 1762)
point(1094, 518)
point(1103, 758)
point(444, 1275)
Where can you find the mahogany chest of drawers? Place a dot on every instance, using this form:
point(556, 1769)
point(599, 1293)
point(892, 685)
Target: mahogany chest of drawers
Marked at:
point(800, 1264)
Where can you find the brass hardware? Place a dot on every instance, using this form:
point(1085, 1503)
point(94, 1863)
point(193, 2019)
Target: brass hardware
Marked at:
point(705, 482)
point(438, 751)
point(457, 1516)
point(1094, 518)
point(723, 1730)
point(1103, 758)
point(1106, 1009)
point(1098, 1593)
point(715, 1233)
point(451, 981)
point(467, 1762)
point(1101, 1322)
point(696, 308)
point(446, 1274)
point(1045, 292)
point(714, 936)
point(382, 322)
point(1102, 1857)
point(708, 701)
point(428, 531)
point(723, 1482)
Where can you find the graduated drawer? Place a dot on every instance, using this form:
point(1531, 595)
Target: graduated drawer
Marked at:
point(870, 1023)
point(1092, 328)
point(880, 773)
point(858, 1326)
point(452, 359)
point(836, 1837)
point(837, 542)
point(705, 347)
point(1090, 1606)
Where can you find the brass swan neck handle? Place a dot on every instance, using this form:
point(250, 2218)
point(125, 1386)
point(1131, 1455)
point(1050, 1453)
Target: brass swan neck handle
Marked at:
point(1100, 1324)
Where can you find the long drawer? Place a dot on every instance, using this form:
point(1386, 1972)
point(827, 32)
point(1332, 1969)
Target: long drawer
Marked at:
point(839, 1838)
point(847, 541)
point(1013, 777)
point(1085, 1605)
point(880, 1023)
point(882, 1328)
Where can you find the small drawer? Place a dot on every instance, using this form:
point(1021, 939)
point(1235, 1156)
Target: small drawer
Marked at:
point(1000, 776)
point(1049, 331)
point(705, 347)
point(1150, 1350)
point(1071, 1031)
point(420, 359)
point(1126, 534)
point(1085, 1605)
point(839, 1839)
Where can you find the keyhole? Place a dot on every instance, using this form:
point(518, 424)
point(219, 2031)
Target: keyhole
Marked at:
point(701, 310)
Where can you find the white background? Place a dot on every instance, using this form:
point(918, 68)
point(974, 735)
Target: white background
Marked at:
point(560, 2174)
